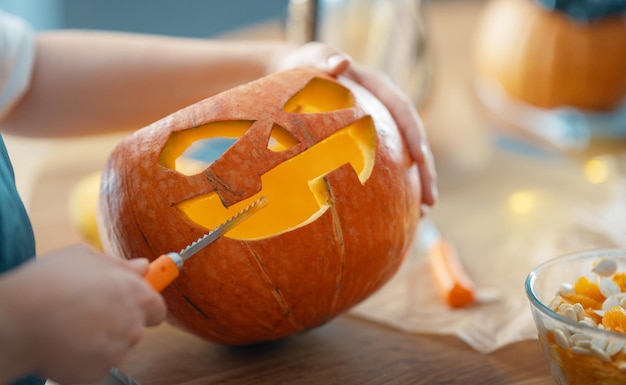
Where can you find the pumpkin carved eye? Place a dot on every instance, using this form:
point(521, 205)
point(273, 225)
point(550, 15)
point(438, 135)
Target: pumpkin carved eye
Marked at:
point(320, 95)
point(295, 186)
point(192, 151)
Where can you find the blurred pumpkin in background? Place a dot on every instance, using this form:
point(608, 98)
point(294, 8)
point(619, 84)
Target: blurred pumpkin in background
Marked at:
point(343, 204)
point(554, 53)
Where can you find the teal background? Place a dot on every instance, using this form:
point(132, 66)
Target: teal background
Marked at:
point(193, 18)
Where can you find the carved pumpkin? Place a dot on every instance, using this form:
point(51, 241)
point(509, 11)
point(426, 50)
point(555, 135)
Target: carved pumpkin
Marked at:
point(548, 59)
point(343, 204)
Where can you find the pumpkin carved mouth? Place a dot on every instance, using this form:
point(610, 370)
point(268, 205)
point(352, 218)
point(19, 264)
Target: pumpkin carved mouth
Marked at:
point(296, 188)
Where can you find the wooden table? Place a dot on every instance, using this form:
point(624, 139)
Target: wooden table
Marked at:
point(347, 350)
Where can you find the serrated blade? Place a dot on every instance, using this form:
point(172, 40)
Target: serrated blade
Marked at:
point(222, 229)
point(116, 377)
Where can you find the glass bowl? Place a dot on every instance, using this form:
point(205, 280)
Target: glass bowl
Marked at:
point(584, 345)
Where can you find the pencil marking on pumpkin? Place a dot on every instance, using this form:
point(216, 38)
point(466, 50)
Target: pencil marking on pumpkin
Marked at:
point(300, 130)
point(196, 308)
point(143, 236)
point(287, 313)
point(218, 331)
point(339, 240)
point(211, 179)
point(216, 182)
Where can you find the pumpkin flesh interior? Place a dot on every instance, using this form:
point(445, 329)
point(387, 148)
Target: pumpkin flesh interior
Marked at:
point(296, 190)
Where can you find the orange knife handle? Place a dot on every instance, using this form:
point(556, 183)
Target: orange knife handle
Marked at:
point(451, 280)
point(163, 271)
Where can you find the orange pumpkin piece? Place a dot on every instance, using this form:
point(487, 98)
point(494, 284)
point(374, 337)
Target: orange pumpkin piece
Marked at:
point(589, 289)
point(615, 319)
point(588, 303)
point(620, 280)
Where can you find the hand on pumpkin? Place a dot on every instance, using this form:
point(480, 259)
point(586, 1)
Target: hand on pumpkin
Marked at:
point(397, 102)
point(74, 313)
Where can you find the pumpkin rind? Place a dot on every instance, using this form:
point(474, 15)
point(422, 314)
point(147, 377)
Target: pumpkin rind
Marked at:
point(246, 291)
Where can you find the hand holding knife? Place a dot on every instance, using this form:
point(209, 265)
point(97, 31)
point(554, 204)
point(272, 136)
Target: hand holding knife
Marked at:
point(166, 268)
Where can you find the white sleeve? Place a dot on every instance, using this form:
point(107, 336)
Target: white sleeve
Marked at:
point(17, 58)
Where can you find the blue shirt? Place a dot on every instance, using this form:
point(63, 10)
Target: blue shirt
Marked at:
point(17, 243)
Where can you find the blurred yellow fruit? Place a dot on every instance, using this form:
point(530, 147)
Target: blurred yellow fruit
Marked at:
point(83, 206)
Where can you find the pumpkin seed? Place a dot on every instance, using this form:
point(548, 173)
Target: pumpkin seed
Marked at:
point(614, 347)
point(608, 287)
point(601, 354)
point(580, 312)
point(561, 339)
point(605, 267)
point(581, 350)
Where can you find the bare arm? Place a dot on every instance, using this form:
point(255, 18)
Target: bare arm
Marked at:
point(93, 82)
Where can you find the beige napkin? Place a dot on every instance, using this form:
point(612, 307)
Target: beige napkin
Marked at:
point(522, 208)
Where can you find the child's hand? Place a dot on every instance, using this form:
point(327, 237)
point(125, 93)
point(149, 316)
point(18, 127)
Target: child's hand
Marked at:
point(79, 312)
point(397, 102)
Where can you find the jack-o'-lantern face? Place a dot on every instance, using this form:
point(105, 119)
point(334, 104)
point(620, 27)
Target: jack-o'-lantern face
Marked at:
point(294, 186)
point(342, 204)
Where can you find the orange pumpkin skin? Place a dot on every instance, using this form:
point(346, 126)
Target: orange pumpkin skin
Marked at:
point(549, 60)
point(268, 286)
